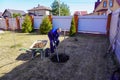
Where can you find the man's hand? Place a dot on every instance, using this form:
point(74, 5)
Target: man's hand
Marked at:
point(54, 43)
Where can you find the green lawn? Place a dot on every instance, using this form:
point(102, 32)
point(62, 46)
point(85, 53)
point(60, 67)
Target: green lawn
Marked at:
point(10, 43)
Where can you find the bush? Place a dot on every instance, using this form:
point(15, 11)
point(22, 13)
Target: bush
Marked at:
point(45, 26)
point(27, 25)
point(72, 28)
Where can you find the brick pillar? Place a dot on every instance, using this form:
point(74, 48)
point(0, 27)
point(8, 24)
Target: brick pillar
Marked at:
point(50, 18)
point(7, 23)
point(18, 23)
point(76, 22)
point(108, 24)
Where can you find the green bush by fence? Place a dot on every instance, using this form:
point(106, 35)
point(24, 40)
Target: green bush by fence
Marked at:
point(45, 26)
point(27, 26)
point(72, 28)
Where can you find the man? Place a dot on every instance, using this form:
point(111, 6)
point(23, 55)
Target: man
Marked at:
point(53, 37)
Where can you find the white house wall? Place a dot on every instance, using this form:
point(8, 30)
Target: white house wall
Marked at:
point(113, 32)
point(40, 13)
point(92, 24)
point(63, 22)
point(113, 26)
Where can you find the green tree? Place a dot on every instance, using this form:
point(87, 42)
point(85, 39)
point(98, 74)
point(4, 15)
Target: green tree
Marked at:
point(45, 26)
point(27, 25)
point(72, 28)
point(64, 8)
point(55, 7)
point(16, 15)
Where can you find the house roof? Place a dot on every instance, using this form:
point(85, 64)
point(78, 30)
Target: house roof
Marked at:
point(82, 13)
point(15, 11)
point(101, 10)
point(96, 4)
point(40, 7)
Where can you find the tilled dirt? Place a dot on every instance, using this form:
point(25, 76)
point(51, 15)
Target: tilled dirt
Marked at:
point(86, 62)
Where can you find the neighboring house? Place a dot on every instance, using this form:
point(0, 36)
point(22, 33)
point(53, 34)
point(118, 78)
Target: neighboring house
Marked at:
point(0, 14)
point(9, 12)
point(80, 13)
point(39, 11)
point(102, 7)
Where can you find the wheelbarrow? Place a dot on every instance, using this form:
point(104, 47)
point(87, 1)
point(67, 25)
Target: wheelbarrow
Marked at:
point(37, 47)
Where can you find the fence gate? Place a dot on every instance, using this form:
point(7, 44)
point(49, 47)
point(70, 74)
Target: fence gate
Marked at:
point(92, 24)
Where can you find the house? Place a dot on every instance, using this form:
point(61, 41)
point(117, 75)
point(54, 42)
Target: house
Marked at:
point(9, 12)
point(103, 7)
point(0, 14)
point(40, 11)
point(80, 13)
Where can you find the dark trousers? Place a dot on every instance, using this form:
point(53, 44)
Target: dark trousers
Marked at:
point(52, 44)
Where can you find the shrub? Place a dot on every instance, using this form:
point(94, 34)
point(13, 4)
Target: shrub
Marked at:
point(14, 15)
point(27, 25)
point(72, 28)
point(45, 26)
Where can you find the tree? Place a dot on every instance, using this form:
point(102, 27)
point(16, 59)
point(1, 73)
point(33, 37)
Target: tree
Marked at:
point(72, 28)
point(16, 15)
point(27, 25)
point(64, 8)
point(55, 7)
point(45, 26)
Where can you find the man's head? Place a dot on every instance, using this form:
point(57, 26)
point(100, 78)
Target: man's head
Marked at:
point(59, 30)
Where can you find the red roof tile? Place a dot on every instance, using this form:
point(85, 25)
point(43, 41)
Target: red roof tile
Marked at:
point(82, 13)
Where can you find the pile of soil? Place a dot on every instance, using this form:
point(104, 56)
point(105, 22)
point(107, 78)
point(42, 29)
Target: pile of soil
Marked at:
point(39, 45)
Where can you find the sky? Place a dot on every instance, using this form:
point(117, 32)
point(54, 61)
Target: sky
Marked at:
point(74, 5)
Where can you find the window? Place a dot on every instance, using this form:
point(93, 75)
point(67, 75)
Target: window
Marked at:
point(104, 4)
point(111, 3)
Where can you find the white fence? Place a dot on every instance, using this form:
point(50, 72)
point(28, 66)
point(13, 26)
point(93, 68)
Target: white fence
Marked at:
point(63, 22)
point(12, 23)
point(37, 21)
point(115, 32)
point(2, 23)
point(21, 22)
point(92, 24)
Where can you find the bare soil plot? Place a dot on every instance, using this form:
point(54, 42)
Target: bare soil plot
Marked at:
point(86, 61)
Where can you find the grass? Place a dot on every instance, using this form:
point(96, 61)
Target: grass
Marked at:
point(10, 43)
point(85, 62)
